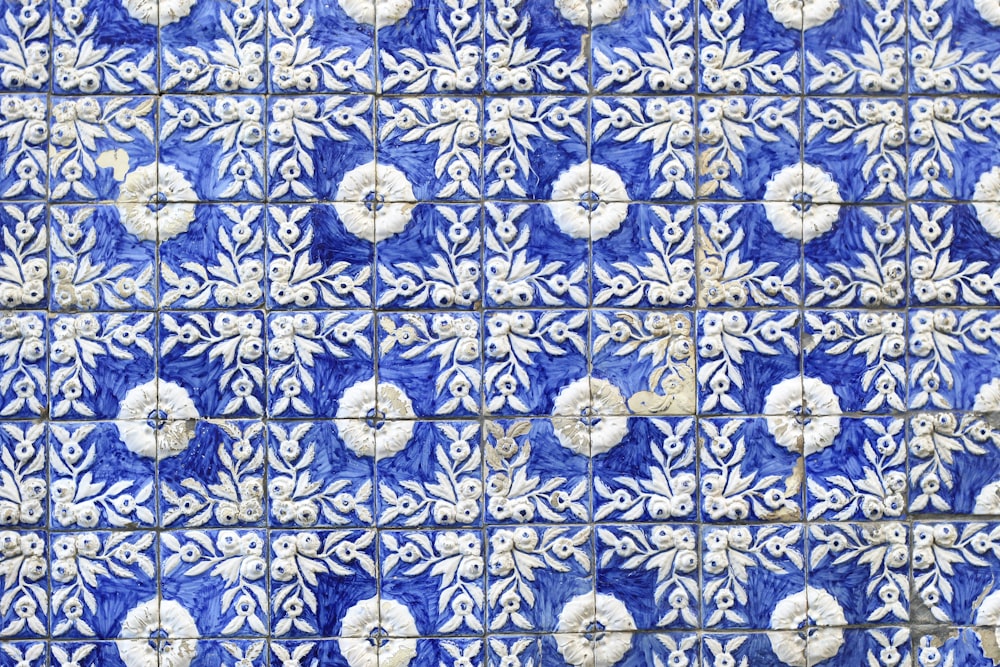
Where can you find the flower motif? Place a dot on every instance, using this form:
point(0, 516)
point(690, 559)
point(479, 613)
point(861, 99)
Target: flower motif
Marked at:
point(594, 420)
point(375, 420)
point(988, 613)
point(375, 201)
point(988, 500)
point(163, 12)
point(802, 202)
point(156, 202)
point(589, 200)
point(989, 10)
point(378, 632)
point(157, 419)
point(601, 12)
point(594, 630)
point(812, 606)
point(158, 632)
point(802, 414)
point(385, 12)
point(802, 14)
point(988, 397)
point(986, 197)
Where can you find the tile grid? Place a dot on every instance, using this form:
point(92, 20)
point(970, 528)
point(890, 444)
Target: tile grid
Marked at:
point(590, 250)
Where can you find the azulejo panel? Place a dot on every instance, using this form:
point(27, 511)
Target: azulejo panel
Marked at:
point(411, 333)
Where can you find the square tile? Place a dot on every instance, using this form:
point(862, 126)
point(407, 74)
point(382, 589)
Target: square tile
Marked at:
point(319, 47)
point(436, 480)
point(773, 29)
point(213, 47)
point(536, 47)
point(532, 260)
point(25, 65)
point(745, 569)
point(435, 47)
point(446, 273)
point(301, 456)
point(105, 47)
point(97, 143)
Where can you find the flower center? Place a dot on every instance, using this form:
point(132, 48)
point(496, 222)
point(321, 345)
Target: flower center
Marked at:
point(807, 629)
point(159, 640)
point(156, 419)
point(378, 637)
point(588, 417)
point(803, 201)
point(803, 414)
point(157, 202)
point(375, 419)
point(594, 632)
point(374, 201)
point(590, 200)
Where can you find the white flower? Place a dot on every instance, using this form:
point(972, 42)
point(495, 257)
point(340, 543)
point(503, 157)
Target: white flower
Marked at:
point(791, 613)
point(602, 12)
point(986, 196)
point(988, 500)
point(988, 397)
point(989, 10)
point(594, 630)
point(591, 416)
point(375, 201)
point(157, 419)
point(156, 202)
point(802, 14)
point(387, 621)
point(802, 202)
point(988, 613)
point(163, 12)
point(802, 414)
point(375, 420)
point(158, 633)
point(386, 12)
point(589, 200)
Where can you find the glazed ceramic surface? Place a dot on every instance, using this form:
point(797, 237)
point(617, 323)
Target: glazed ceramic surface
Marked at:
point(500, 333)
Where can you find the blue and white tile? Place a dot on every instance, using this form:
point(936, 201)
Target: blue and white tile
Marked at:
point(96, 144)
point(96, 361)
point(24, 350)
point(105, 47)
point(313, 481)
point(536, 255)
point(436, 480)
point(435, 47)
point(773, 29)
point(337, 597)
point(100, 477)
point(440, 576)
point(519, 129)
point(323, 148)
point(211, 473)
point(218, 362)
point(101, 259)
point(25, 65)
point(519, 372)
point(212, 149)
point(316, 47)
point(536, 471)
point(861, 356)
point(446, 273)
point(312, 260)
point(319, 363)
point(214, 47)
point(23, 121)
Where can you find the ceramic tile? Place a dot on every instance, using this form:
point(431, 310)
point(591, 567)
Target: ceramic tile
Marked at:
point(498, 333)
